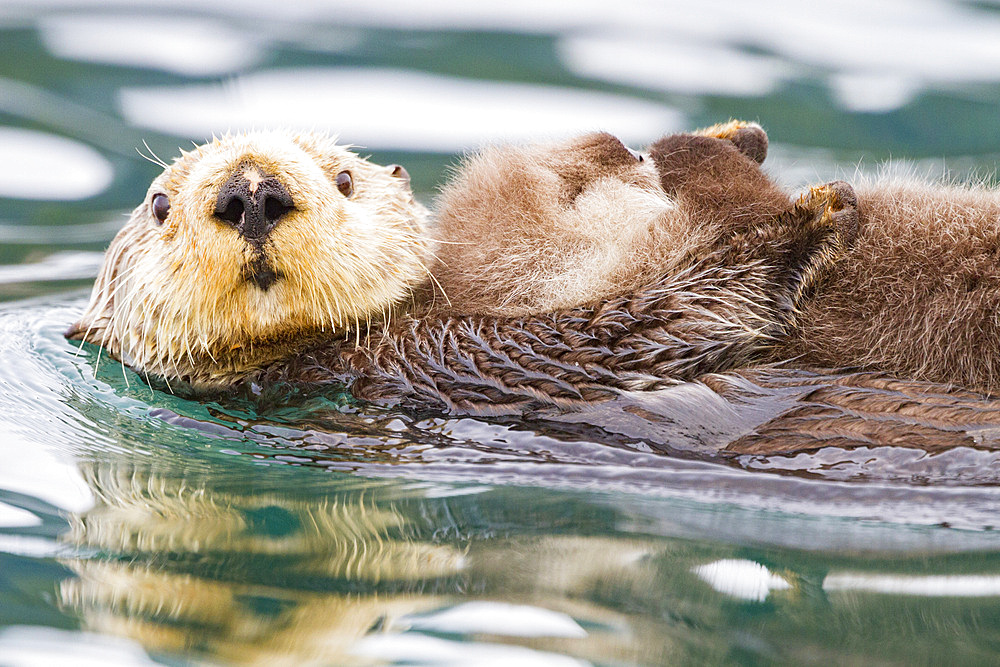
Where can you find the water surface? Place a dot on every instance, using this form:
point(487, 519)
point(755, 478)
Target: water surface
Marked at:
point(139, 527)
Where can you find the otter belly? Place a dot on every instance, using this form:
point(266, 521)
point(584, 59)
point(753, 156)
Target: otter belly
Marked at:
point(918, 293)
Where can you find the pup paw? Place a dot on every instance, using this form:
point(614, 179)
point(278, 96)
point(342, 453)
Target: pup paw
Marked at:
point(749, 138)
point(832, 205)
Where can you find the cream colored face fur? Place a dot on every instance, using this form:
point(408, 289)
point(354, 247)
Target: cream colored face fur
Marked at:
point(173, 299)
point(536, 228)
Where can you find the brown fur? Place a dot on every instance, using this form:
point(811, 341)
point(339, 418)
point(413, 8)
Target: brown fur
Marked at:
point(726, 301)
point(918, 295)
point(748, 279)
point(175, 300)
point(529, 229)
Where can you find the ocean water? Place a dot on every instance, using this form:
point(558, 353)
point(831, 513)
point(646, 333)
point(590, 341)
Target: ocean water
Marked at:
point(138, 527)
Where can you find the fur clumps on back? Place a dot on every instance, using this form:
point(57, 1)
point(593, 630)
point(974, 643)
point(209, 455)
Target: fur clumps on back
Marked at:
point(525, 229)
point(918, 293)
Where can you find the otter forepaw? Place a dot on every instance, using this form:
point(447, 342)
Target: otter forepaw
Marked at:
point(815, 233)
point(834, 205)
point(749, 138)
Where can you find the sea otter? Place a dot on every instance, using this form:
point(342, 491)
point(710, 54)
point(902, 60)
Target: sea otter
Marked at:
point(248, 244)
point(916, 294)
point(534, 228)
point(269, 256)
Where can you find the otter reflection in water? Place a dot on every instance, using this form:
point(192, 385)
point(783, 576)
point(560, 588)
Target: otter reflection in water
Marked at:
point(207, 566)
point(297, 566)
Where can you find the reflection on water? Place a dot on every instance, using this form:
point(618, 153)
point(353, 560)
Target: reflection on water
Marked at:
point(251, 576)
point(32, 160)
point(136, 526)
point(209, 566)
point(204, 532)
point(466, 112)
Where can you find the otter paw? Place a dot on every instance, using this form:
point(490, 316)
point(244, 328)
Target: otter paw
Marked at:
point(749, 138)
point(811, 237)
point(833, 205)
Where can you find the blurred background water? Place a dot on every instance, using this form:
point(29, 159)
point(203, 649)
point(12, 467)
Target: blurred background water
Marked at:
point(137, 527)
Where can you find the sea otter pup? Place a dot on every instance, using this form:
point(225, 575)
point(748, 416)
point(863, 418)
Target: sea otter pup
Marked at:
point(534, 228)
point(918, 293)
point(915, 295)
point(251, 254)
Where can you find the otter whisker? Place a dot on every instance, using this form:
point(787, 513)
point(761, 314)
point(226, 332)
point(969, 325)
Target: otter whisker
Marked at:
point(110, 264)
point(111, 333)
point(152, 156)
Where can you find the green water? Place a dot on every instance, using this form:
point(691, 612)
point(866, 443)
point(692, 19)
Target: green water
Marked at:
point(138, 527)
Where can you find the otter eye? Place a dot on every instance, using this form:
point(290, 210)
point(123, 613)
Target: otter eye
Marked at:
point(345, 184)
point(161, 207)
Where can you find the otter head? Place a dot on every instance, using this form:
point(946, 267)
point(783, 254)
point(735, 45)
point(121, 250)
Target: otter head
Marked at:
point(248, 244)
point(553, 225)
point(544, 226)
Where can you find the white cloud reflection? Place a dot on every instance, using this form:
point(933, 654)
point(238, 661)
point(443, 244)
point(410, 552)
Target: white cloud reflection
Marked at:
point(33, 469)
point(744, 579)
point(674, 65)
point(15, 517)
point(28, 646)
point(394, 109)
point(183, 45)
point(417, 649)
point(944, 585)
point(57, 266)
point(498, 618)
point(37, 165)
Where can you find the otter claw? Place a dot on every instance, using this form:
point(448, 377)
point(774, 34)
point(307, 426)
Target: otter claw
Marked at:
point(835, 204)
point(749, 138)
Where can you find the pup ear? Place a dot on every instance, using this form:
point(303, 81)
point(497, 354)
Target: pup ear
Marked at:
point(749, 138)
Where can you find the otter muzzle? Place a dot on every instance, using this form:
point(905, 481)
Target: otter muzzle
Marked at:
point(252, 202)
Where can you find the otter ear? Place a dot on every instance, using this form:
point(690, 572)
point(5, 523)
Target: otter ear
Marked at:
point(749, 138)
point(399, 172)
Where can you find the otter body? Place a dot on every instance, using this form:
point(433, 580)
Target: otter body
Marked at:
point(257, 251)
point(914, 293)
point(279, 258)
point(532, 229)
point(918, 293)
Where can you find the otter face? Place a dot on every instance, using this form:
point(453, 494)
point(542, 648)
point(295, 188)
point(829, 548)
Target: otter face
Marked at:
point(554, 225)
point(248, 243)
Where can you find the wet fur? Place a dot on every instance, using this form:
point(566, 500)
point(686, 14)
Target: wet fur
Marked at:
point(532, 229)
point(914, 292)
point(529, 229)
point(720, 306)
point(173, 300)
point(755, 277)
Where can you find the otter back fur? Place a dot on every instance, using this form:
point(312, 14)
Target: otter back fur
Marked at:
point(915, 293)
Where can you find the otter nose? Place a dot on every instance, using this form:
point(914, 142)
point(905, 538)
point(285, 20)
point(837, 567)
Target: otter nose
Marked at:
point(252, 202)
